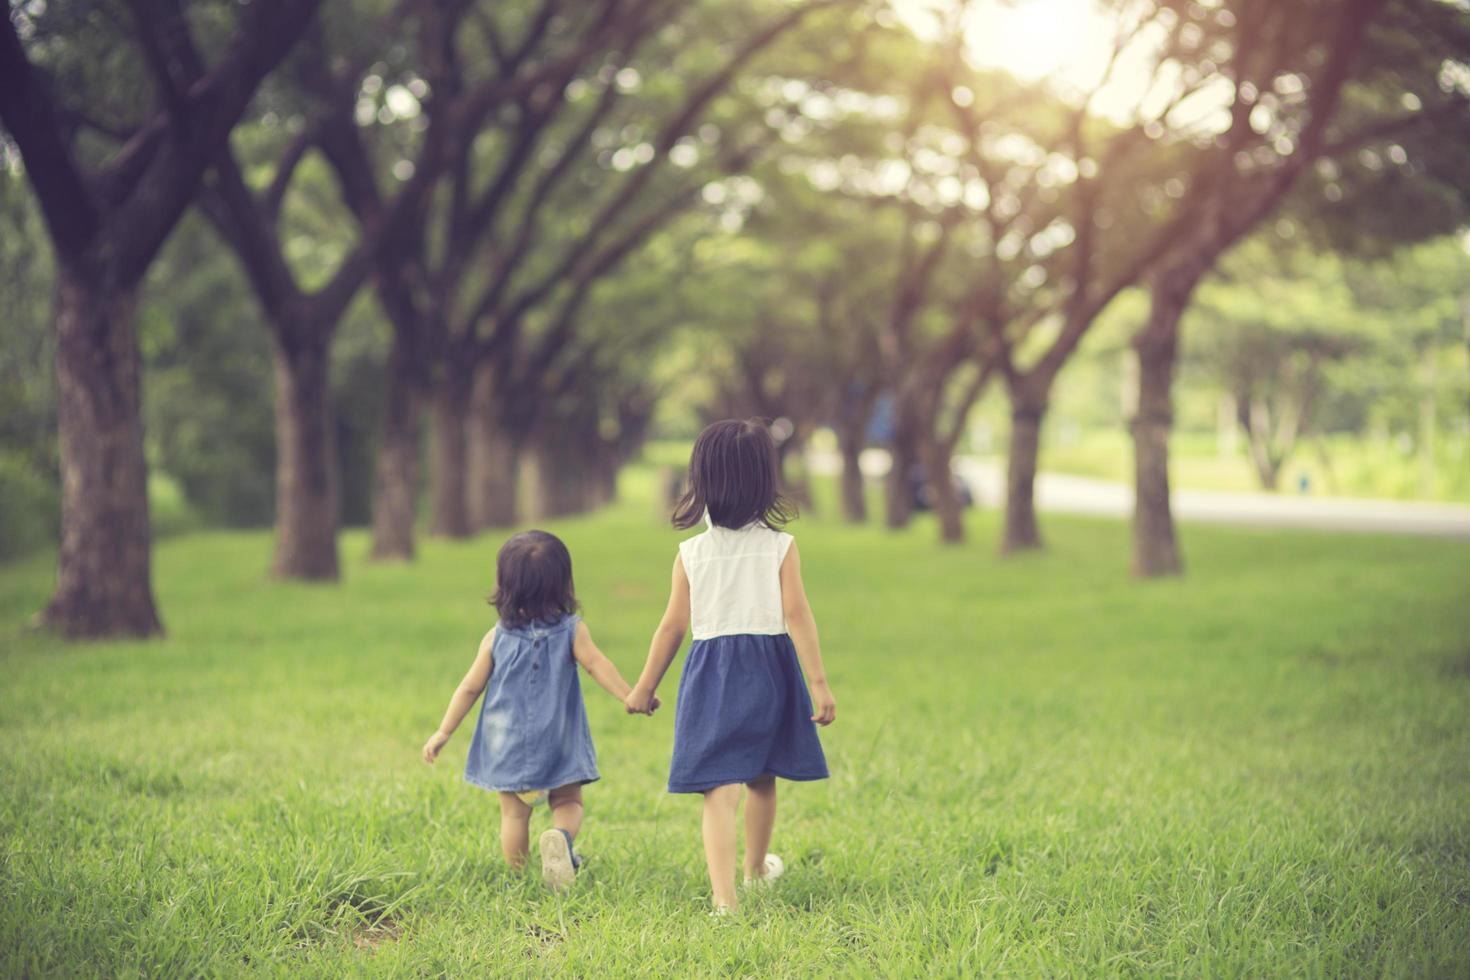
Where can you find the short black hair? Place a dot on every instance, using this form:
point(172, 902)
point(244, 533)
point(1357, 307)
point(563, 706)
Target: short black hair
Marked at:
point(533, 580)
point(732, 475)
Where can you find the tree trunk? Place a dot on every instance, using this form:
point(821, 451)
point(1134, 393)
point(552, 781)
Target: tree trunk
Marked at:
point(791, 466)
point(1255, 422)
point(104, 580)
point(494, 459)
point(396, 479)
point(854, 497)
point(1155, 547)
point(605, 480)
point(898, 492)
point(554, 477)
point(451, 518)
point(306, 464)
point(560, 475)
point(1021, 532)
point(898, 486)
point(938, 474)
point(1227, 436)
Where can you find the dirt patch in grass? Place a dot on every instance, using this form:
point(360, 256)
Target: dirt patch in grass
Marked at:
point(543, 940)
point(1457, 665)
point(370, 937)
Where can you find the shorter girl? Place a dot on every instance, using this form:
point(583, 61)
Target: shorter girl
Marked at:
point(531, 740)
point(744, 714)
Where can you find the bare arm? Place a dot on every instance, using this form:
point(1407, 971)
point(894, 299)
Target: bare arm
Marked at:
point(667, 639)
point(464, 698)
point(602, 670)
point(802, 626)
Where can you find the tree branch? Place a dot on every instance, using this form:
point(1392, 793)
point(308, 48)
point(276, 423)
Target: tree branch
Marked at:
point(30, 114)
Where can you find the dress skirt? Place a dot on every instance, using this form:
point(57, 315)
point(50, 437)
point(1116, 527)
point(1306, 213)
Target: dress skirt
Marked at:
point(743, 711)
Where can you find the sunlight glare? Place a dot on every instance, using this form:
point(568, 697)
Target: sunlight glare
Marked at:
point(1066, 43)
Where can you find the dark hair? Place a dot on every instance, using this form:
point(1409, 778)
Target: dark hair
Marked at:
point(533, 580)
point(732, 475)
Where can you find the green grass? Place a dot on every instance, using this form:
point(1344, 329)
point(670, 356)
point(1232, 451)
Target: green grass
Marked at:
point(1039, 767)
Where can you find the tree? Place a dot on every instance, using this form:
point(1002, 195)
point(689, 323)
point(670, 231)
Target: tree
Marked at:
point(106, 223)
point(303, 321)
point(889, 187)
point(1287, 78)
point(1275, 320)
point(508, 326)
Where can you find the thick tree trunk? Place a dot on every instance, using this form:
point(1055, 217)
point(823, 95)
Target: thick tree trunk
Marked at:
point(854, 497)
point(605, 479)
point(396, 479)
point(557, 476)
point(938, 474)
point(1021, 532)
point(494, 459)
point(451, 518)
point(1155, 546)
point(103, 583)
point(306, 465)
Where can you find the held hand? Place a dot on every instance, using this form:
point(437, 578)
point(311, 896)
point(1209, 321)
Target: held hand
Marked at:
point(824, 706)
point(432, 747)
point(640, 702)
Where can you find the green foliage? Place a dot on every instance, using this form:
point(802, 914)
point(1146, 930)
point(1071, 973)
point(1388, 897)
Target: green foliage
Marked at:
point(207, 391)
point(1039, 768)
point(31, 516)
point(29, 490)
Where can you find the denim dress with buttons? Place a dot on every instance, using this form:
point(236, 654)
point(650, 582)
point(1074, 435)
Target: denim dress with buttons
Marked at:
point(532, 730)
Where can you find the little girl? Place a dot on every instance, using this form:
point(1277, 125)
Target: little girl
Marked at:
point(531, 741)
point(743, 715)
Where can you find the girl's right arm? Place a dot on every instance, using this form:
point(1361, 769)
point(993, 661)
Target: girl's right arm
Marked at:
point(666, 642)
point(464, 697)
point(802, 626)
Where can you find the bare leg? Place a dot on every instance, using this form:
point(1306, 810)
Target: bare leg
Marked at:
point(566, 808)
point(720, 805)
point(515, 829)
point(760, 820)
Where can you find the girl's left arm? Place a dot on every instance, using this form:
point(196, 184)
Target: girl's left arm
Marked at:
point(464, 697)
point(595, 662)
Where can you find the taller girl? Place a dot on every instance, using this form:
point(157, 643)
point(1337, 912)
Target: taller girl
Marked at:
point(743, 715)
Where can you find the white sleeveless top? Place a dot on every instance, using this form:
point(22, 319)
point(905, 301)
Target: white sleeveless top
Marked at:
point(735, 580)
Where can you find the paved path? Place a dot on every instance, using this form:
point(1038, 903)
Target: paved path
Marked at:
point(1082, 495)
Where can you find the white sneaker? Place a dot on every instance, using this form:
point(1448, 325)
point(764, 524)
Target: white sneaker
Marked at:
point(558, 867)
point(775, 867)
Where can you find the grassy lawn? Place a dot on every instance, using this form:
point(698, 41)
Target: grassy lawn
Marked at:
point(1039, 767)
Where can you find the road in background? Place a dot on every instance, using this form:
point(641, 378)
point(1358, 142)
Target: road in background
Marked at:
point(1059, 493)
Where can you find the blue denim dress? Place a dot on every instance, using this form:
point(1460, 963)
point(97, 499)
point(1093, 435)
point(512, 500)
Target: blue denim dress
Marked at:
point(532, 730)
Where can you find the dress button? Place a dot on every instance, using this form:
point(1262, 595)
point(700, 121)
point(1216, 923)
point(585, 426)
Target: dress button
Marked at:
point(536, 644)
point(535, 666)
